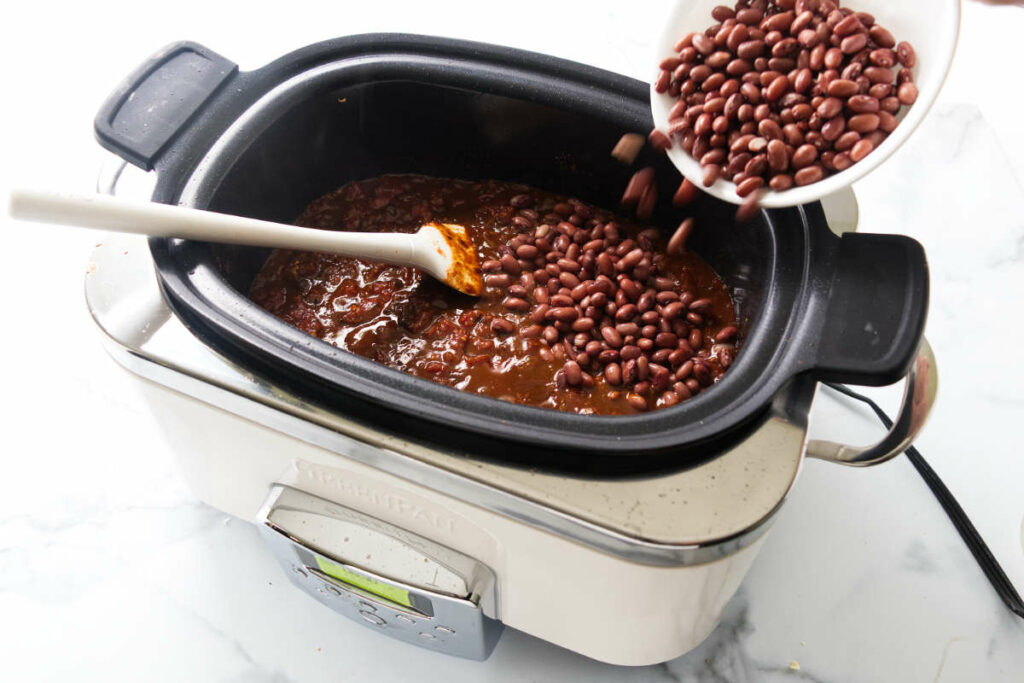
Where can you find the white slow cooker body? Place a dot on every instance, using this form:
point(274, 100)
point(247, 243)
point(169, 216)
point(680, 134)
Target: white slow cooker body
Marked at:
point(588, 601)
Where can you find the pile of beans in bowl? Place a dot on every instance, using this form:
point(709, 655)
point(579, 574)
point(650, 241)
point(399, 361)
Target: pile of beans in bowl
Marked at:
point(784, 92)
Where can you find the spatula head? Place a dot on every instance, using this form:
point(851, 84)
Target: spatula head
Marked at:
point(459, 266)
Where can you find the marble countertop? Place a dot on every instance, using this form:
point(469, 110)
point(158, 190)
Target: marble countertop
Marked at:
point(111, 570)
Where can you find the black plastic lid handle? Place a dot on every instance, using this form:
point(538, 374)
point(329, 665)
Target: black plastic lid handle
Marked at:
point(148, 110)
point(877, 307)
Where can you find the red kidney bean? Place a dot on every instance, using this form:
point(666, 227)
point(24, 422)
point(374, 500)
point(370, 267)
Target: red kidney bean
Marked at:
point(907, 93)
point(883, 57)
point(629, 371)
point(700, 305)
point(850, 24)
point(777, 88)
point(611, 336)
point(756, 166)
point(722, 12)
point(702, 373)
point(711, 174)
point(565, 314)
point(726, 334)
point(808, 175)
point(841, 88)
point(613, 374)
point(583, 325)
point(510, 264)
point(881, 37)
point(878, 74)
point(853, 43)
point(886, 122)
point(737, 35)
point(497, 280)
point(890, 104)
point(696, 339)
point(568, 279)
point(906, 55)
point(805, 155)
point(502, 326)
point(833, 128)
point(757, 144)
point(792, 134)
point(629, 352)
point(640, 181)
point(539, 312)
point(526, 251)
point(666, 340)
point(686, 193)
point(637, 402)
point(573, 373)
point(737, 163)
point(846, 141)
point(830, 107)
point(861, 150)
point(677, 243)
point(880, 90)
point(749, 209)
point(749, 185)
point(862, 104)
point(516, 304)
point(778, 157)
point(643, 368)
point(863, 123)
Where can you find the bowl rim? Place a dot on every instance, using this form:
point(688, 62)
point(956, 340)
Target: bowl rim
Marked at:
point(726, 190)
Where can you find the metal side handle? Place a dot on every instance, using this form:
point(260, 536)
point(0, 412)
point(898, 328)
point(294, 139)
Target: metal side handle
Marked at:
point(922, 383)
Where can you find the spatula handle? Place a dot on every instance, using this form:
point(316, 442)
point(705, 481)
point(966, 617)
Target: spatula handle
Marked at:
point(163, 220)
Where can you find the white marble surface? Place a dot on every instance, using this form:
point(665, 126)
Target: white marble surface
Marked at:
point(111, 570)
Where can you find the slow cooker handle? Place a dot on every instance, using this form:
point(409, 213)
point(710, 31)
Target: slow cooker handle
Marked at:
point(149, 108)
point(922, 384)
point(874, 320)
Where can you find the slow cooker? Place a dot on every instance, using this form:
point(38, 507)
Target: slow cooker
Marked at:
point(435, 516)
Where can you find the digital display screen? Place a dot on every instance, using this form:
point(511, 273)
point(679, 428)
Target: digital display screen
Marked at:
point(378, 588)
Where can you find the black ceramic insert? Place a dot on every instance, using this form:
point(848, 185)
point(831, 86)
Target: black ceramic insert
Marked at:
point(811, 305)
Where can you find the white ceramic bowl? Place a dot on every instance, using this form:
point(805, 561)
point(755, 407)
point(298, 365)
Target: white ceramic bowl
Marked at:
point(931, 26)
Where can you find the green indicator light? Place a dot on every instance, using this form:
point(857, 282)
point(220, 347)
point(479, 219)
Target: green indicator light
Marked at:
point(379, 588)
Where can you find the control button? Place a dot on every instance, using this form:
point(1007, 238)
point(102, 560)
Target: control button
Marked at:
point(408, 620)
point(444, 629)
point(367, 605)
point(373, 618)
point(427, 636)
point(300, 571)
point(334, 590)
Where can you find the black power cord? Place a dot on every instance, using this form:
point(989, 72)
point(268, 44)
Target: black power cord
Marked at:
point(996, 576)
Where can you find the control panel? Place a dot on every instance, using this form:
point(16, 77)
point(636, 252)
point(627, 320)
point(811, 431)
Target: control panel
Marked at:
point(382, 576)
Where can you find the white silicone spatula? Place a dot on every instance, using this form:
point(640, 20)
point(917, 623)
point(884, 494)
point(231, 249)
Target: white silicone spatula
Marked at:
point(443, 250)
